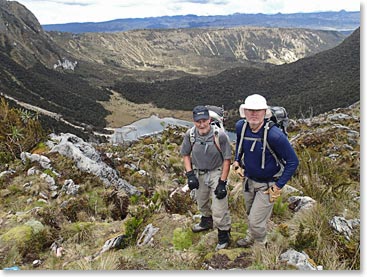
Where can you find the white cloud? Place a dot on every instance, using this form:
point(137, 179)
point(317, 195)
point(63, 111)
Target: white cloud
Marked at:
point(63, 11)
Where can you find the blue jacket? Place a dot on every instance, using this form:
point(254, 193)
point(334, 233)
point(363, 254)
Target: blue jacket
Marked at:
point(278, 142)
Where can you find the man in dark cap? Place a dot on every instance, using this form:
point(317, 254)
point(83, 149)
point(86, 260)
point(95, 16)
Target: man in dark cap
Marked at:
point(206, 154)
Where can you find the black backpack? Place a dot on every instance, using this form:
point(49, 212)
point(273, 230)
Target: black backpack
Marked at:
point(280, 118)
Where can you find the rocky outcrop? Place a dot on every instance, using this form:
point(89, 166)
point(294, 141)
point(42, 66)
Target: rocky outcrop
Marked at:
point(88, 160)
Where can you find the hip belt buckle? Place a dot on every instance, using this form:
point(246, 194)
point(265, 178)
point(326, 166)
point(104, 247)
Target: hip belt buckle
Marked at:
point(203, 171)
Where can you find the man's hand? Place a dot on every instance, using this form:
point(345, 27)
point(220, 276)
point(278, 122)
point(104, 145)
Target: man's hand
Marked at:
point(274, 193)
point(238, 169)
point(192, 180)
point(221, 190)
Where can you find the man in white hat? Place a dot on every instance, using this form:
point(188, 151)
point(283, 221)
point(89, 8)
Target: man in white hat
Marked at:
point(269, 161)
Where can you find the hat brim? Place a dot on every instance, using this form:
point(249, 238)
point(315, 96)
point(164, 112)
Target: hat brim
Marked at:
point(242, 108)
point(200, 117)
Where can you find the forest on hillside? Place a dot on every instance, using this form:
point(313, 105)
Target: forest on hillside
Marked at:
point(307, 87)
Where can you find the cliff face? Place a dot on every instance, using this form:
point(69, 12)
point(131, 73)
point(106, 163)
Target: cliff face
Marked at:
point(22, 37)
point(200, 51)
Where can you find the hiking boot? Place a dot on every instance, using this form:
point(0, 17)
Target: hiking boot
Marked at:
point(223, 239)
point(246, 242)
point(206, 223)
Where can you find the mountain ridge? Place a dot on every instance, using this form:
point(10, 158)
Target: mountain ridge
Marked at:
point(313, 20)
point(331, 75)
point(197, 51)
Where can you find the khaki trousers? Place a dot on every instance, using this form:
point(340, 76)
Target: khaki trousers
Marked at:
point(258, 208)
point(208, 203)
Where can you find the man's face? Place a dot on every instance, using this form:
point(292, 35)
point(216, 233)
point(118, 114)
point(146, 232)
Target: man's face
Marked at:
point(202, 125)
point(254, 116)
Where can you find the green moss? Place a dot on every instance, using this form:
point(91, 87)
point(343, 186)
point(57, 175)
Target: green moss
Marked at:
point(182, 239)
point(171, 147)
point(35, 225)
point(18, 235)
point(49, 172)
point(40, 148)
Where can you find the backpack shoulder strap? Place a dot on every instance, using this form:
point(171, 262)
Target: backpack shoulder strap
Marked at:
point(216, 139)
point(192, 136)
point(268, 125)
point(265, 142)
point(242, 136)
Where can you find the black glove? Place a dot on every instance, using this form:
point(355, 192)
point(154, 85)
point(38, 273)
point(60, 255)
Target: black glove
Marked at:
point(192, 180)
point(220, 190)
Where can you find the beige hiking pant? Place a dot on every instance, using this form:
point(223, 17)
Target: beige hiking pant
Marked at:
point(258, 208)
point(208, 203)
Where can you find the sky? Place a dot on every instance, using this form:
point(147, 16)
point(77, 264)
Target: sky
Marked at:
point(66, 11)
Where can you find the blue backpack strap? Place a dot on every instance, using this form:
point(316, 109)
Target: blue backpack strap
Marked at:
point(268, 125)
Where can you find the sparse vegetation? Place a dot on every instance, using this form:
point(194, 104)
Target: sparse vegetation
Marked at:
point(19, 131)
point(82, 224)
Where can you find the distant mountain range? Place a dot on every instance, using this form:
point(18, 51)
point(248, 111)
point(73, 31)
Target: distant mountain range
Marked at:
point(341, 21)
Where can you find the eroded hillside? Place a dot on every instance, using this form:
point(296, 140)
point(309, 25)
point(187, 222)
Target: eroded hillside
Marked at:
point(197, 51)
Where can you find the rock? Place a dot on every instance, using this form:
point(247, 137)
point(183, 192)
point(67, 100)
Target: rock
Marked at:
point(298, 203)
point(297, 259)
point(42, 160)
point(344, 226)
point(88, 160)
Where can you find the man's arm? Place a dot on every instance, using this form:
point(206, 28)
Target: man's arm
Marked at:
point(225, 170)
point(187, 163)
point(285, 151)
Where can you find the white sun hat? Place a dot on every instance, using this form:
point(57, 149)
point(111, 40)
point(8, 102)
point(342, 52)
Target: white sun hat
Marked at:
point(253, 102)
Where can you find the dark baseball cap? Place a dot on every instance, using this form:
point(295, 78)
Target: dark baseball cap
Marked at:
point(200, 112)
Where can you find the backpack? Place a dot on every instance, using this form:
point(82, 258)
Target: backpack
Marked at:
point(217, 121)
point(216, 115)
point(278, 118)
